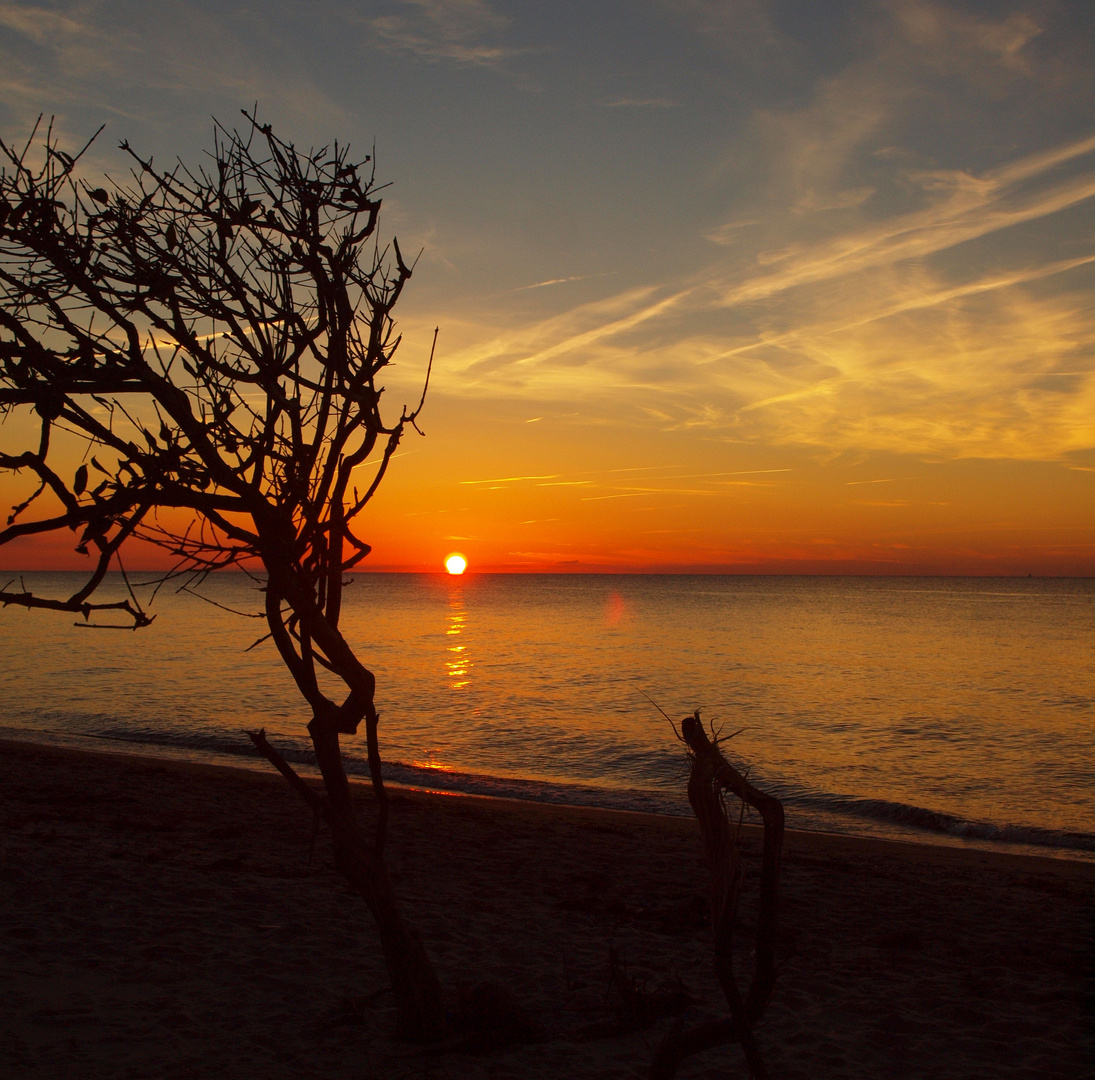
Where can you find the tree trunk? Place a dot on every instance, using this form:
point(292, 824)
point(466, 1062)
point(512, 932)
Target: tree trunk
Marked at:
point(419, 1010)
point(420, 1015)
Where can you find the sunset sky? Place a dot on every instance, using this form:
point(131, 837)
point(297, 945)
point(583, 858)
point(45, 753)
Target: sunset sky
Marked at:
point(742, 286)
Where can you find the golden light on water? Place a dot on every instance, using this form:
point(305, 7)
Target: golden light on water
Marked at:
point(456, 563)
point(458, 663)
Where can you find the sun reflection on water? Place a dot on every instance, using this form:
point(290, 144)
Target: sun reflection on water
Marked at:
point(457, 662)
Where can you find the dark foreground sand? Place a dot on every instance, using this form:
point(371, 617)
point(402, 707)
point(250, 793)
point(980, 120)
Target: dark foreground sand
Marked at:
point(161, 920)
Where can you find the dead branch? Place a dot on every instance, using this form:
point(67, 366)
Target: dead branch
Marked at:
point(710, 778)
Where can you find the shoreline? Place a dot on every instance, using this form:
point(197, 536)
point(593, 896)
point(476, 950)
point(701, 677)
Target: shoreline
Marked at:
point(164, 919)
point(257, 764)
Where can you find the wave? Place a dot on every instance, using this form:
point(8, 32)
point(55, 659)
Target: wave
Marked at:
point(941, 823)
point(297, 749)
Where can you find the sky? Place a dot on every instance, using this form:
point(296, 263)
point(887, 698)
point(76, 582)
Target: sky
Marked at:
point(721, 286)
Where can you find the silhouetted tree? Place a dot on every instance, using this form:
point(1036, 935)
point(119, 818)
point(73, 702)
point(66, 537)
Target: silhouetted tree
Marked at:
point(215, 337)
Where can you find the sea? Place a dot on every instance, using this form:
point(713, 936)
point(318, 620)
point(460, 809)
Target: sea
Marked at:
point(955, 711)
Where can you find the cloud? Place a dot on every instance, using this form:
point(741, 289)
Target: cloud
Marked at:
point(728, 232)
point(463, 32)
point(512, 479)
point(911, 70)
point(869, 249)
point(639, 103)
point(952, 37)
point(931, 331)
point(161, 66)
point(554, 281)
point(47, 54)
point(963, 378)
point(807, 150)
point(526, 351)
point(42, 25)
point(965, 207)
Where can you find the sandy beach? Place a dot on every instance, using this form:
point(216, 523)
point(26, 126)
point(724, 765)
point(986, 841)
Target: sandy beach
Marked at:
point(162, 919)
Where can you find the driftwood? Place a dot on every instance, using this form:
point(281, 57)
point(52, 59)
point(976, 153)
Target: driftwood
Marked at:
point(711, 777)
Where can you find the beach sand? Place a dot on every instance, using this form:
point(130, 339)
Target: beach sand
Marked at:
point(160, 919)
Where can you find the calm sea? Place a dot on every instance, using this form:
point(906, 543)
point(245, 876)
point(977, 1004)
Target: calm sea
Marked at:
point(946, 710)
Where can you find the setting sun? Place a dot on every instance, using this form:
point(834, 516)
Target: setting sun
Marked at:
point(456, 563)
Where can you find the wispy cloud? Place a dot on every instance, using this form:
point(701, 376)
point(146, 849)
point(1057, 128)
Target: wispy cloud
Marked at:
point(49, 56)
point(43, 25)
point(967, 208)
point(511, 479)
point(459, 31)
point(150, 65)
point(954, 35)
point(639, 103)
point(553, 281)
point(525, 351)
point(873, 336)
point(832, 310)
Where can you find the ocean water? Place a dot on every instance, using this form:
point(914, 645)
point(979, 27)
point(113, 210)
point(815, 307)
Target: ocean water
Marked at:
point(945, 710)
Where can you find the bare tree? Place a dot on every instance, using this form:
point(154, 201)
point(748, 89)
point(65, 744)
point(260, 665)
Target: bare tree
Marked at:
point(214, 338)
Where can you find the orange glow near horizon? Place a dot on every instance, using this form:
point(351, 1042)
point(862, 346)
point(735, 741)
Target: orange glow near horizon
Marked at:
point(965, 518)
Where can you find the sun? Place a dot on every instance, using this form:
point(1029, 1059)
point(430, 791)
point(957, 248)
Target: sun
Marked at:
point(456, 563)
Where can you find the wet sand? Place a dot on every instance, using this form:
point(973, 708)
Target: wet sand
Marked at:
point(159, 919)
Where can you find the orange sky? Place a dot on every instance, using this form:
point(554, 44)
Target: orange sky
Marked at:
point(733, 287)
point(708, 506)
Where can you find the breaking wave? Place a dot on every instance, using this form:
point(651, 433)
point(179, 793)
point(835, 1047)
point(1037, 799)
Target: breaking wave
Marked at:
point(841, 810)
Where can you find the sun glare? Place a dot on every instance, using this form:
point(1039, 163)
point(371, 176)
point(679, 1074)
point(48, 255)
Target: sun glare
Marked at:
point(456, 563)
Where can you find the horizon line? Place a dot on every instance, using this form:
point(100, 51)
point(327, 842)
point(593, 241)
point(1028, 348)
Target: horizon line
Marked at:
point(589, 570)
